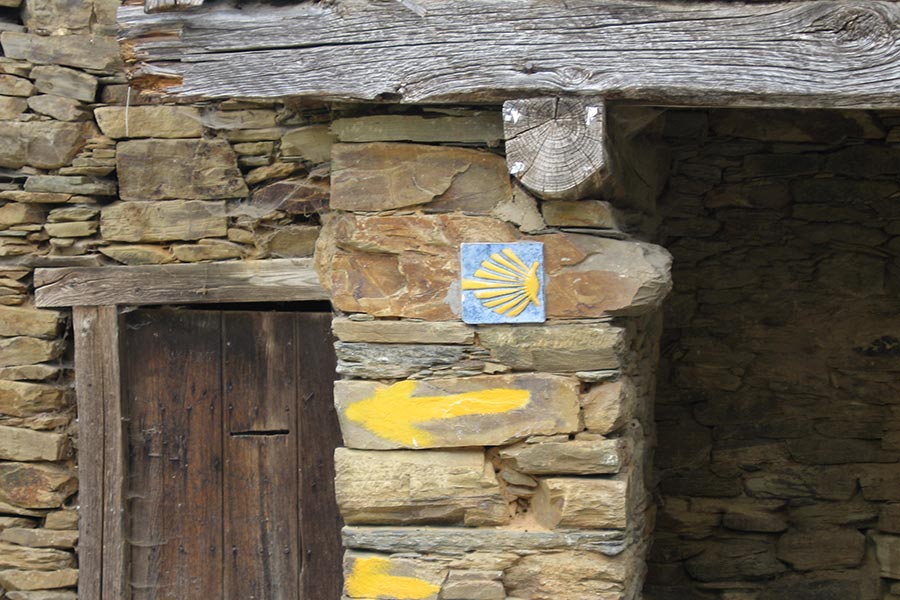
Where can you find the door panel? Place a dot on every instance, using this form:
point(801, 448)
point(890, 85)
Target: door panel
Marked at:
point(230, 455)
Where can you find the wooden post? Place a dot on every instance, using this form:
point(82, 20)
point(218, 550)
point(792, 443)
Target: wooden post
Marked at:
point(556, 147)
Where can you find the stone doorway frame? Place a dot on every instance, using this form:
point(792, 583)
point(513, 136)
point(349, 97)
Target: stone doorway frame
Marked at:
point(96, 295)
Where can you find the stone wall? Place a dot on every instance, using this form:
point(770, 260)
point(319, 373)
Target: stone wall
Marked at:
point(549, 501)
point(777, 406)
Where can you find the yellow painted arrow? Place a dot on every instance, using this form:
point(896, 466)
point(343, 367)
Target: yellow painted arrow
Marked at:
point(392, 413)
point(370, 578)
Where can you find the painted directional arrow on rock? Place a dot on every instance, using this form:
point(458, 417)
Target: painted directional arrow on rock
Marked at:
point(371, 578)
point(393, 413)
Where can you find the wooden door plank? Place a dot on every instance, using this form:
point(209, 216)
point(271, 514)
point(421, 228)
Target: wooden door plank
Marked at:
point(320, 521)
point(281, 280)
point(261, 536)
point(175, 459)
point(89, 385)
point(258, 370)
point(824, 54)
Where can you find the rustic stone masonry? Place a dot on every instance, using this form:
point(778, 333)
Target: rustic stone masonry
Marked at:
point(777, 413)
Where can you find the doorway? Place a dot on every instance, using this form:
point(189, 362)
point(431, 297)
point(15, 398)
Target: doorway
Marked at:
point(230, 432)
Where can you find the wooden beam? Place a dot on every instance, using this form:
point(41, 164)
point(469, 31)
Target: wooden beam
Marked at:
point(283, 280)
point(556, 147)
point(825, 54)
point(155, 6)
point(101, 450)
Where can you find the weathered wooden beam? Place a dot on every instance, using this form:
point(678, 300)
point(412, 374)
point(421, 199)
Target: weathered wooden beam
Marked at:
point(556, 147)
point(284, 280)
point(155, 6)
point(827, 53)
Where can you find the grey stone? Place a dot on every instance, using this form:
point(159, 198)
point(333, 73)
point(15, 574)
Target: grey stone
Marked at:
point(62, 81)
point(55, 16)
point(11, 107)
point(824, 548)
point(557, 347)
point(82, 51)
point(40, 538)
point(402, 331)
point(397, 361)
point(10, 85)
point(44, 145)
point(149, 121)
point(58, 107)
point(163, 221)
point(72, 184)
point(576, 457)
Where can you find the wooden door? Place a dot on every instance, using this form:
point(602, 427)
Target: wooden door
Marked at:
point(230, 439)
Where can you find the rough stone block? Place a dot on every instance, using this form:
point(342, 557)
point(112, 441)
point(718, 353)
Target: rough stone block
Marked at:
point(17, 579)
point(574, 457)
point(36, 485)
point(580, 213)
point(402, 332)
point(887, 549)
point(39, 538)
point(476, 127)
point(312, 143)
point(178, 169)
point(383, 176)
point(149, 121)
point(822, 548)
point(369, 265)
point(609, 406)
point(239, 119)
point(574, 502)
point(71, 184)
point(28, 445)
point(399, 361)
point(163, 221)
point(11, 107)
point(62, 519)
point(10, 85)
point(13, 556)
point(57, 107)
point(21, 399)
point(61, 81)
point(292, 241)
point(396, 487)
point(138, 254)
point(554, 576)
point(368, 576)
point(206, 250)
point(74, 229)
point(54, 16)
point(35, 322)
point(41, 144)
point(94, 52)
point(453, 412)
point(43, 595)
point(729, 559)
point(559, 347)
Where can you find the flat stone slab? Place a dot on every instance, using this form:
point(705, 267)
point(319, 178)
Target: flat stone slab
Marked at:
point(454, 412)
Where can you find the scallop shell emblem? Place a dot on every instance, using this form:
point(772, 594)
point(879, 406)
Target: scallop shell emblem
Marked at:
point(505, 284)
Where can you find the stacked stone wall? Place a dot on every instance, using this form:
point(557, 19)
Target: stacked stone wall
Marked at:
point(546, 502)
point(777, 398)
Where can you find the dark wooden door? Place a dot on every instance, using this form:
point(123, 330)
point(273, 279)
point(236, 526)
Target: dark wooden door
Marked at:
point(231, 433)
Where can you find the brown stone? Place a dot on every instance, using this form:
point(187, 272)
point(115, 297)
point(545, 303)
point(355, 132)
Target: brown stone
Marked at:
point(15, 213)
point(35, 197)
point(887, 548)
point(42, 144)
point(206, 250)
point(13, 556)
point(29, 445)
point(36, 485)
point(10, 85)
point(57, 107)
point(74, 229)
point(55, 16)
point(149, 121)
point(570, 574)
point(557, 347)
point(138, 254)
point(299, 196)
point(42, 595)
point(62, 519)
point(39, 538)
point(609, 406)
point(551, 407)
point(163, 221)
point(475, 127)
point(11, 107)
point(401, 486)
point(382, 176)
point(35, 322)
point(15, 579)
point(239, 119)
point(587, 503)
point(402, 332)
point(20, 399)
point(573, 457)
point(735, 558)
point(824, 548)
point(580, 213)
point(64, 82)
point(183, 169)
point(16, 351)
point(291, 241)
point(312, 143)
point(94, 52)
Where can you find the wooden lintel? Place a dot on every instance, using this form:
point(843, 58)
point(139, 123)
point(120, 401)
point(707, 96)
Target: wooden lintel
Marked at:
point(283, 280)
point(556, 147)
point(826, 54)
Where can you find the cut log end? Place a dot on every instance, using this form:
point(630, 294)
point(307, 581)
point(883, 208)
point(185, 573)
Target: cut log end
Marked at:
point(556, 147)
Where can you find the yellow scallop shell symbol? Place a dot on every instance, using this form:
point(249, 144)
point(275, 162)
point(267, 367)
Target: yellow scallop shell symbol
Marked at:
point(505, 284)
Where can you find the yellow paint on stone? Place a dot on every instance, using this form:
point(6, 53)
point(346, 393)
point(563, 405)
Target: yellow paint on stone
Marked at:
point(392, 413)
point(371, 578)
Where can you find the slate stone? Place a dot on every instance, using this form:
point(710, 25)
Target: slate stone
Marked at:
point(11, 107)
point(57, 107)
point(149, 121)
point(82, 51)
point(10, 85)
point(555, 348)
point(21, 399)
point(36, 485)
point(71, 184)
point(43, 144)
point(163, 221)
point(178, 169)
point(575, 457)
point(822, 548)
point(62, 81)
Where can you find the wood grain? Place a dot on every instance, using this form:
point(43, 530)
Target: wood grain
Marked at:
point(173, 395)
point(320, 520)
point(556, 147)
point(153, 6)
point(805, 54)
point(282, 280)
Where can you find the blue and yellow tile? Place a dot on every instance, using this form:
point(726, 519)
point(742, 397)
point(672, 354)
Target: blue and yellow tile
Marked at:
point(502, 283)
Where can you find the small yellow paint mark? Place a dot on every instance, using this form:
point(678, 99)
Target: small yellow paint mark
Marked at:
point(393, 412)
point(371, 578)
